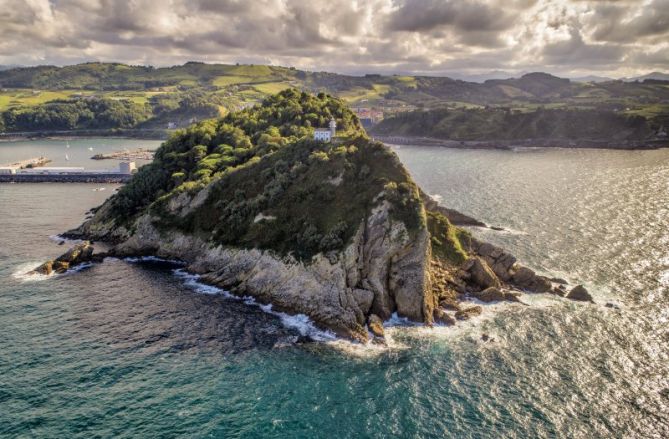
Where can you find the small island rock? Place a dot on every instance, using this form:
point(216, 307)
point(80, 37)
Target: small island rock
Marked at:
point(579, 293)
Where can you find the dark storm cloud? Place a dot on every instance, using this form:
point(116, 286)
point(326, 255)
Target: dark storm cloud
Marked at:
point(346, 36)
point(618, 22)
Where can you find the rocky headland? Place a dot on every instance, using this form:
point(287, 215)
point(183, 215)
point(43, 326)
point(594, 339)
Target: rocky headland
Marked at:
point(334, 230)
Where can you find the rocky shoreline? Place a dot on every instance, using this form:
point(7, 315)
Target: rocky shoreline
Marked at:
point(489, 274)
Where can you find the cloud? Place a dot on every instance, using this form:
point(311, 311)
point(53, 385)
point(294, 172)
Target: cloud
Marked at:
point(355, 36)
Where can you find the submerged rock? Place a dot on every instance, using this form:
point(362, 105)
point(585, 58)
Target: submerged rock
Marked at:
point(493, 294)
point(579, 293)
point(375, 325)
point(442, 317)
point(468, 313)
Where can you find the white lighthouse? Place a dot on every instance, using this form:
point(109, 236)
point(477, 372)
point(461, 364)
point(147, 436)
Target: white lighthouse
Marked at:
point(333, 128)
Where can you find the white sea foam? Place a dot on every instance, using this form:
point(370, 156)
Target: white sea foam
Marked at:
point(24, 273)
point(299, 322)
point(438, 198)
point(59, 239)
point(664, 279)
point(134, 260)
point(193, 281)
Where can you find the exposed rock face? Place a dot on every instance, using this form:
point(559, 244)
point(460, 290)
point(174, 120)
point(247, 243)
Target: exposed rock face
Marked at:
point(497, 259)
point(77, 255)
point(481, 274)
point(580, 294)
point(381, 271)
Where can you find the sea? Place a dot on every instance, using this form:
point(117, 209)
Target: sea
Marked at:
point(140, 348)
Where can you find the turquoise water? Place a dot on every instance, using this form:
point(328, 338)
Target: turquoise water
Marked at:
point(124, 349)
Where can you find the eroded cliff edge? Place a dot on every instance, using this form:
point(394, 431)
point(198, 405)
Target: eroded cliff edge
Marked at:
point(334, 230)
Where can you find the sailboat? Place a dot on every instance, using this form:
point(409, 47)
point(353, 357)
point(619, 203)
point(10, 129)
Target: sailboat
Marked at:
point(67, 145)
point(90, 148)
point(67, 157)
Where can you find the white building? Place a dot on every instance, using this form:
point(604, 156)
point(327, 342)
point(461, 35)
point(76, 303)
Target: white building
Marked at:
point(7, 170)
point(326, 134)
point(127, 167)
point(322, 135)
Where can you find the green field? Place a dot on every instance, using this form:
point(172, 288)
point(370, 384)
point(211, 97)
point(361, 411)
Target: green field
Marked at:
point(23, 97)
point(271, 87)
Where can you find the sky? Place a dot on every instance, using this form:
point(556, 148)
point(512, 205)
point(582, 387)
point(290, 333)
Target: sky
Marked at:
point(620, 38)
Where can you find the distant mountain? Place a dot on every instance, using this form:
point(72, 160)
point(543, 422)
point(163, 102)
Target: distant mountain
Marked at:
point(592, 78)
point(482, 77)
point(8, 67)
point(656, 76)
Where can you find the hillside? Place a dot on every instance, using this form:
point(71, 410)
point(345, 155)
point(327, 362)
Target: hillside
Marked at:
point(178, 95)
point(503, 124)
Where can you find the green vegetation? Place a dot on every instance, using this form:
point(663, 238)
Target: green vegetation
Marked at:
point(270, 185)
point(446, 239)
point(504, 124)
point(125, 110)
point(228, 88)
point(79, 114)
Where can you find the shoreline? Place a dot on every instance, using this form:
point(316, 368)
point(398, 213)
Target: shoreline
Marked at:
point(157, 134)
point(510, 145)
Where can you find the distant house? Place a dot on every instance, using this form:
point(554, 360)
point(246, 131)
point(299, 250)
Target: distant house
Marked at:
point(171, 125)
point(326, 134)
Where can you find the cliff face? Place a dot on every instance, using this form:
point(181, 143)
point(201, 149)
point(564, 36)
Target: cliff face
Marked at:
point(381, 271)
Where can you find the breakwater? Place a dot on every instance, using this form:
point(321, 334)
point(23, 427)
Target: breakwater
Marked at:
point(87, 177)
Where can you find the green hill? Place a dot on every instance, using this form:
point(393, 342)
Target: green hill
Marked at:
point(503, 124)
point(335, 230)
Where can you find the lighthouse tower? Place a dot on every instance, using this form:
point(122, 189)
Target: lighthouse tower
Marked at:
point(333, 127)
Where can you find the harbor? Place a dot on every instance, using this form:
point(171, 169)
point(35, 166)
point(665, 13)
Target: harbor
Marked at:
point(71, 174)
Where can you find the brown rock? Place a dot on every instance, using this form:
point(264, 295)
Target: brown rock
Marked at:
point(442, 317)
point(468, 313)
point(523, 276)
point(375, 325)
point(60, 266)
point(81, 252)
point(482, 274)
point(450, 304)
point(45, 268)
point(580, 294)
point(527, 279)
point(491, 294)
point(541, 284)
point(502, 266)
point(558, 291)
